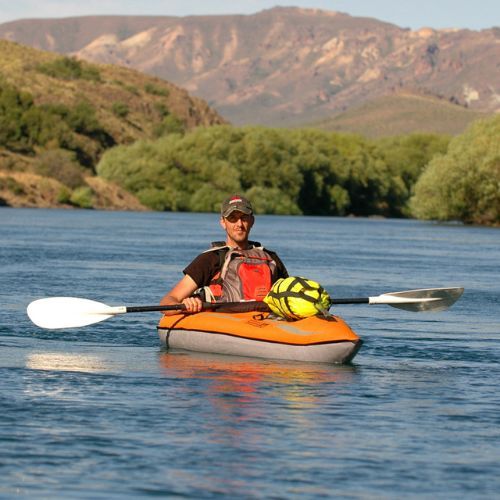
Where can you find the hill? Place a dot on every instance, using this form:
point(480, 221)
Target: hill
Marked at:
point(59, 115)
point(283, 66)
point(401, 114)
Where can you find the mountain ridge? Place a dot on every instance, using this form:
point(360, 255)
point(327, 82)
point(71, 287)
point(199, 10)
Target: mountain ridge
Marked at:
point(283, 65)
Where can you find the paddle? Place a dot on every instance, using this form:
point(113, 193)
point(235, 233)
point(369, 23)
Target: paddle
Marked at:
point(70, 312)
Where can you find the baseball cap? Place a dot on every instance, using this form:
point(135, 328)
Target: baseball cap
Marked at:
point(236, 203)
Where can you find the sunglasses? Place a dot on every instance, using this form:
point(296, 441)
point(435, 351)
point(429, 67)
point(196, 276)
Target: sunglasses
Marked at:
point(235, 216)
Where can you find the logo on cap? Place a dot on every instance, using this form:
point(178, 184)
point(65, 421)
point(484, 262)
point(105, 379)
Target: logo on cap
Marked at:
point(236, 203)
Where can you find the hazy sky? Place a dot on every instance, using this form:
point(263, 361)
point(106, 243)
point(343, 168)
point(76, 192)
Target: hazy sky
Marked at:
point(413, 14)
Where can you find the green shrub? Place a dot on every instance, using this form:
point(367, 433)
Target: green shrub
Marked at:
point(340, 199)
point(82, 197)
point(10, 184)
point(154, 89)
point(64, 196)
point(130, 88)
point(170, 125)
point(82, 118)
point(120, 109)
point(62, 166)
point(161, 109)
point(70, 68)
point(41, 127)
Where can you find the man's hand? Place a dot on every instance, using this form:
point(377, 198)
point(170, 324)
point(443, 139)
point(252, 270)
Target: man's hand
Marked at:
point(193, 304)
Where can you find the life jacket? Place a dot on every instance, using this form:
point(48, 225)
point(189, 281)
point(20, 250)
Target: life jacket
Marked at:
point(244, 274)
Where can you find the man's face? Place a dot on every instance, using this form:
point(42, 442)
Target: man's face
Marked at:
point(237, 226)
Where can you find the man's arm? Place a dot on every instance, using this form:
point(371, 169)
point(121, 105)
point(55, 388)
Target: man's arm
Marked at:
point(181, 294)
point(196, 275)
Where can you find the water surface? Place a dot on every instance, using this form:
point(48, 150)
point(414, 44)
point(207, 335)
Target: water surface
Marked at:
point(105, 412)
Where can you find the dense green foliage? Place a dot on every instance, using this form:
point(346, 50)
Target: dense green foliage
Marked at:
point(283, 171)
point(406, 157)
point(464, 183)
point(24, 126)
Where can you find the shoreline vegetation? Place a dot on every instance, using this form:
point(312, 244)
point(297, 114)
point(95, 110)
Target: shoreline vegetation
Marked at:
point(75, 134)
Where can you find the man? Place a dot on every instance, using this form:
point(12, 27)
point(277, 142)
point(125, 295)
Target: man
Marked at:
point(234, 270)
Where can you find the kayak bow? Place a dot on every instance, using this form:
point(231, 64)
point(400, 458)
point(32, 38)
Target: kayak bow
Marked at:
point(314, 339)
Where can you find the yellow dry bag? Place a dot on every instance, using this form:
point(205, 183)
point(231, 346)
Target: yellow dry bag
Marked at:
point(295, 298)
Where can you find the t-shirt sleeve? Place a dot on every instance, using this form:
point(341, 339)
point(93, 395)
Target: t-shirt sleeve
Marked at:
point(203, 268)
point(280, 271)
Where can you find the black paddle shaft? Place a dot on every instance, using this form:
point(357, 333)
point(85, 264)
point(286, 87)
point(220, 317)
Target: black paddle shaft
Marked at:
point(234, 306)
point(360, 300)
point(219, 306)
point(135, 309)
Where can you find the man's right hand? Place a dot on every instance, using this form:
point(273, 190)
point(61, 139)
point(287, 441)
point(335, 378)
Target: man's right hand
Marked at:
point(193, 304)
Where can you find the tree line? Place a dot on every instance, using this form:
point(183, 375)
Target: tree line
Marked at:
point(284, 171)
point(312, 172)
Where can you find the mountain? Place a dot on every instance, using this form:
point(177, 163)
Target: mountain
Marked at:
point(58, 115)
point(283, 66)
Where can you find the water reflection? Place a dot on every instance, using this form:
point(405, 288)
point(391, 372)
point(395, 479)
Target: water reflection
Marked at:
point(60, 361)
point(245, 379)
point(240, 369)
point(263, 404)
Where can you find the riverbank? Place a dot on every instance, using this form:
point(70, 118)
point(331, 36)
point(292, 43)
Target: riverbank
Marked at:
point(27, 190)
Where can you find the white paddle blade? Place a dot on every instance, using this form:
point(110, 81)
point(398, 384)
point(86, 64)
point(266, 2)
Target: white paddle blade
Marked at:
point(69, 312)
point(426, 299)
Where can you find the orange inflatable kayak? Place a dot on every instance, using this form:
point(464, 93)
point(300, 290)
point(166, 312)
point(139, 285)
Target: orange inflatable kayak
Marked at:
point(315, 339)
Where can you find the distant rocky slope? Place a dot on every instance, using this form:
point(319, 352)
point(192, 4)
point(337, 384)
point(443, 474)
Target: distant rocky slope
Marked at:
point(284, 65)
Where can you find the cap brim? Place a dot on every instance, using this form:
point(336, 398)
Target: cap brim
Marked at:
point(234, 208)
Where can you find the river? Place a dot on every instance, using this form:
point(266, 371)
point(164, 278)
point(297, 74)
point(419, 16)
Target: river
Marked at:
point(105, 412)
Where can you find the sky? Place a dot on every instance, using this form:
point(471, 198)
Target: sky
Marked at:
point(412, 14)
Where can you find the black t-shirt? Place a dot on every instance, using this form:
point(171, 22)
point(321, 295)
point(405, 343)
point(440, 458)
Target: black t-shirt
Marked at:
point(208, 264)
